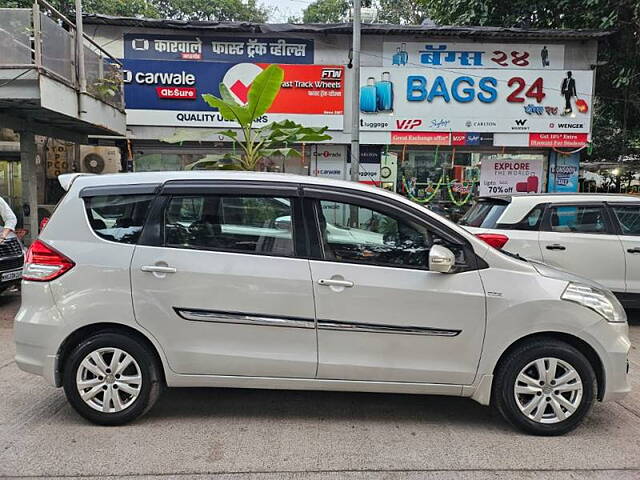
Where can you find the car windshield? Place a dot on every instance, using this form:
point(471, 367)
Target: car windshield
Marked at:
point(484, 214)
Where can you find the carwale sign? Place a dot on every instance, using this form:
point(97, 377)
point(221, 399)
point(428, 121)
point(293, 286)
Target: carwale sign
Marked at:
point(218, 49)
point(170, 93)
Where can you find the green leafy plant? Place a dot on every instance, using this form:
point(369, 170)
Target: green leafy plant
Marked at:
point(257, 143)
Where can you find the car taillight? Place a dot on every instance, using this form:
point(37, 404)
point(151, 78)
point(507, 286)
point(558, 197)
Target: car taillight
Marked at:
point(43, 263)
point(496, 240)
point(43, 222)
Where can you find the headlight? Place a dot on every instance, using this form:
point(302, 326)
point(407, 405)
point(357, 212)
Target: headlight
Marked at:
point(598, 300)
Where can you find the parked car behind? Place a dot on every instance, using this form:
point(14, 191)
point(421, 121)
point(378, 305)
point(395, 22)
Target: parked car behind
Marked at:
point(596, 236)
point(228, 279)
point(11, 260)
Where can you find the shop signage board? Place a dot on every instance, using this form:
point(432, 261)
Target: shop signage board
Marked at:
point(505, 175)
point(170, 93)
point(442, 138)
point(558, 140)
point(564, 173)
point(332, 161)
point(473, 55)
point(226, 49)
point(469, 100)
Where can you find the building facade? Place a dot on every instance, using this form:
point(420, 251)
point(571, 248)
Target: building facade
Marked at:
point(446, 113)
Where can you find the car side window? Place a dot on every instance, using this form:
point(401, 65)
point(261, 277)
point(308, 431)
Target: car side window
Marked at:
point(244, 224)
point(118, 218)
point(628, 217)
point(531, 221)
point(357, 234)
point(577, 219)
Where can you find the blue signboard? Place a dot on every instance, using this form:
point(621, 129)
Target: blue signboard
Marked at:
point(234, 49)
point(563, 172)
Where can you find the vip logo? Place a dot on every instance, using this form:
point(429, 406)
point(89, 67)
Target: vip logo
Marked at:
point(331, 74)
point(408, 124)
point(521, 122)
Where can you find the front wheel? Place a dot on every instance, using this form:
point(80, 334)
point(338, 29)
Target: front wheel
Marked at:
point(111, 379)
point(545, 387)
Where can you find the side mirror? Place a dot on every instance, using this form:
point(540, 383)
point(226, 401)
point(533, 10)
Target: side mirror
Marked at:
point(283, 223)
point(441, 259)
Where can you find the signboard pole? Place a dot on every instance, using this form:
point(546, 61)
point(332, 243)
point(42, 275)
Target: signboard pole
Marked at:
point(355, 95)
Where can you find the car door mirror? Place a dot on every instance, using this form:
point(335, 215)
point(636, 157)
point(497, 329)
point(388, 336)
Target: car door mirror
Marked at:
point(283, 223)
point(441, 259)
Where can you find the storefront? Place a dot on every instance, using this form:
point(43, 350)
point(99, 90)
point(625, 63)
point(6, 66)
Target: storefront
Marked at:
point(443, 118)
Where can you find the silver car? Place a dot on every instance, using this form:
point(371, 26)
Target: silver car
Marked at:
point(225, 279)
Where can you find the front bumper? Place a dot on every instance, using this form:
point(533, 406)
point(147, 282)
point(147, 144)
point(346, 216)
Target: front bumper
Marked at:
point(613, 345)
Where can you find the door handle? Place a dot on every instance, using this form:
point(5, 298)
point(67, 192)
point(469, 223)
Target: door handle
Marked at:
point(556, 246)
point(157, 269)
point(634, 250)
point(328, 282)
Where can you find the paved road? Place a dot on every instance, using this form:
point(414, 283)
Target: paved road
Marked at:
point(268, 435)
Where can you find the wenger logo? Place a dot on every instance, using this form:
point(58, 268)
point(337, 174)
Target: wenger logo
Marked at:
point(408, 124)
point(570, 125)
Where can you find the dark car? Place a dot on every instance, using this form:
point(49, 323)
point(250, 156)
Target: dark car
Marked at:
point(11, 260)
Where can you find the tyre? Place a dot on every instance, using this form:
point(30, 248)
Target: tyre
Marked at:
point(545, 387)
point(111, 378)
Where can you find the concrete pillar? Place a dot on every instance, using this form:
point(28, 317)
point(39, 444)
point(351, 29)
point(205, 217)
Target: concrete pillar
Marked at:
point(28, 152)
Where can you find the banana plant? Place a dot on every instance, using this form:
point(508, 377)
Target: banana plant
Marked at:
point(275, 138)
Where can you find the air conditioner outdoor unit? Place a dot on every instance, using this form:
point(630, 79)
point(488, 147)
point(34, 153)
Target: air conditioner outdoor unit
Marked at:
point(99, 159)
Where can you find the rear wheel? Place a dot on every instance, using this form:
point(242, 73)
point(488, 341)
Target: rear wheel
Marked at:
point(545, 387)
point(111, 379)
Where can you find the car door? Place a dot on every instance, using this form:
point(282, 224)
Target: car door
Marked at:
point(221, 280)
point(382, 315)
point(580, 238)
point(627, 218)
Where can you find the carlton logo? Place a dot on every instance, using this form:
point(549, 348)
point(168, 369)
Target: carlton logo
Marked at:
point(408, 124)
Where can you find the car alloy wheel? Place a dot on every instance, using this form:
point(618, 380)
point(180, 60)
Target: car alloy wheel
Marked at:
point(548, 390)
point(109, 380)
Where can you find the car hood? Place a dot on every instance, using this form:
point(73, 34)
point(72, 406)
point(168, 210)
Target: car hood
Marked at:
point(559, 274)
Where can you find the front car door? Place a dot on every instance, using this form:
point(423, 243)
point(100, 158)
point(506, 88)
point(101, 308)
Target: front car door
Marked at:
point(627, 218)
point(581, 239)
point(382, 315)
point(221, 280)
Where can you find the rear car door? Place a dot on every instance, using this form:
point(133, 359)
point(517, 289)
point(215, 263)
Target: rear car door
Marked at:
point(581, 239)
point(220, 278)
point(382, 315)
point(627, 219)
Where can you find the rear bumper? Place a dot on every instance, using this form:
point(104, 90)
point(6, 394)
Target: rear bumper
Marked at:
point(37, 329)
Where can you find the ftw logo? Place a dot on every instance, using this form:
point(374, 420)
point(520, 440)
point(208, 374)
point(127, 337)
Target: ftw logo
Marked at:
point(331, 74)
point(408, 124)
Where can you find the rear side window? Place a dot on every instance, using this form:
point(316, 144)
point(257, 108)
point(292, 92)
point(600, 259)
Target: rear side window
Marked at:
point(244, 224)
point(118, 218)
point(628, 217)
point(577, 219)
point(484, 214)
point(531, 221)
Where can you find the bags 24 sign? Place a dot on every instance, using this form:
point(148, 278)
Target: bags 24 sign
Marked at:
point(170, 93)
point(467, 100)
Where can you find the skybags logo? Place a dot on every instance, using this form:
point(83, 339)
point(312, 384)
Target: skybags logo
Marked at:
point(520, 124)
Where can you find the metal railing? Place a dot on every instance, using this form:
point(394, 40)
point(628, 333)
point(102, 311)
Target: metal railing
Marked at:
point(42, 38)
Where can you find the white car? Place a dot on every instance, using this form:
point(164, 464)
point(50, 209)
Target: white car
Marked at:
point(226, 279)
point(596, 236)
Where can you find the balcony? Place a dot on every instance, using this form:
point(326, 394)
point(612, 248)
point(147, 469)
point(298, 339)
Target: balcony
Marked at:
point(51, 84)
